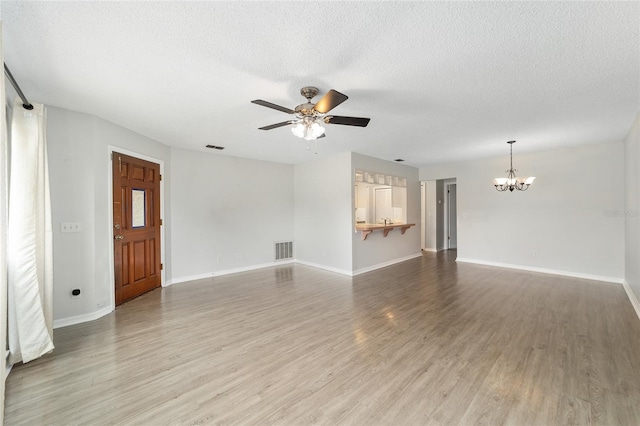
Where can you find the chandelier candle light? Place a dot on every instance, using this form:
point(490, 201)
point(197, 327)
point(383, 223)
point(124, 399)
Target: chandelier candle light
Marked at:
point(512, 182)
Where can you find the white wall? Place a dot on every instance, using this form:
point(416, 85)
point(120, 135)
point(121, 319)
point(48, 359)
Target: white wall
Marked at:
point(378, 250)
point(564, 217)
point(79, 168)
point(632, 211)
point(324, 212)
point(224, 208)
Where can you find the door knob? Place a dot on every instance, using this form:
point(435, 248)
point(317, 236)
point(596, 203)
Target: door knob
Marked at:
point(119, 237)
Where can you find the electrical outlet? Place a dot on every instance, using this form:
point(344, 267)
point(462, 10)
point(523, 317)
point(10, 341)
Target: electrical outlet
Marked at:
point(66, 227)
point(535, 253)
point(239, 256)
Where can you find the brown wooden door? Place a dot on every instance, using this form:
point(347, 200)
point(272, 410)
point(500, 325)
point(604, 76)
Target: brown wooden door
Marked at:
point(136, 226)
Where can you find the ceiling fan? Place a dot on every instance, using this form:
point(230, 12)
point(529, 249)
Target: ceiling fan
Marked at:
point(310, 118)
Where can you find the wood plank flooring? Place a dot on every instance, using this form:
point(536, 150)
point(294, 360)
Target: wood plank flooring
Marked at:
point(427, 341)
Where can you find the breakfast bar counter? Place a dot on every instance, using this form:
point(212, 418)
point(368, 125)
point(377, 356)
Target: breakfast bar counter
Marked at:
point(367, 228)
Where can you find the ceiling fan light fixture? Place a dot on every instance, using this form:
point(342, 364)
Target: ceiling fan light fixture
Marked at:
point(310, 118)
point(313, 131)
point(307, 129)
point(298, 129)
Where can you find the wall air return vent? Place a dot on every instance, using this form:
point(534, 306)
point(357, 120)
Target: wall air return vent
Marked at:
point(284, 250)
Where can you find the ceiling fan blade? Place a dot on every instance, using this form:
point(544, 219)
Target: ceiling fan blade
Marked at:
point(275, 126)
point(329, 101)
point(347, 121)
point(272, 105)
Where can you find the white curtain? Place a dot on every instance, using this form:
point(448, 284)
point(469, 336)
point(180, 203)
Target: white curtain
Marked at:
point(29, 251)
point(3, 235)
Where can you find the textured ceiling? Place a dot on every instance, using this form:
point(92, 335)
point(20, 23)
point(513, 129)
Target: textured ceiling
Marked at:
point(441, 81)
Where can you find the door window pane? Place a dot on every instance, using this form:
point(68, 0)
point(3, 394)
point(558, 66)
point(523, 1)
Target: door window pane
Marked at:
point(137, 208)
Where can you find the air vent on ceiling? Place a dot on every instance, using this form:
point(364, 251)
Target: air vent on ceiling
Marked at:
point(399, 160)
point(215, 147)
point(284, 250)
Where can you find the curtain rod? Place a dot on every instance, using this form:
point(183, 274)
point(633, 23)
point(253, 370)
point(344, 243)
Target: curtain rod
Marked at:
point(25, 103)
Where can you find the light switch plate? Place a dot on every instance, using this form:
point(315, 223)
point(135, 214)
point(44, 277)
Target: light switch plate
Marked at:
point(70, 227)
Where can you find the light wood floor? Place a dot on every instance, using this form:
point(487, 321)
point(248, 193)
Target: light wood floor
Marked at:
point(427, 341)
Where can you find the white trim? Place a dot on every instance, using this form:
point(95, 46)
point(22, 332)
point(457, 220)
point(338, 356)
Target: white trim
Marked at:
point(226, 272)
point(301, 262)
point(187, 278)
point(326, 268)
point(385, 264)
point(431, 250)
point(543, 270)
point(64, 322)
point(632, 297)
point(8, 367)
point(110, 149)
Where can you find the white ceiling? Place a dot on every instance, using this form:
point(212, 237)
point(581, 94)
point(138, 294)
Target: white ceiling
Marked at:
point(441, 81)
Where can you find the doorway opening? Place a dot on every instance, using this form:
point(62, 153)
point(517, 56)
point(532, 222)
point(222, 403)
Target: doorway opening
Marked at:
point(439, 230)
point(382, 209)
point(451, 216)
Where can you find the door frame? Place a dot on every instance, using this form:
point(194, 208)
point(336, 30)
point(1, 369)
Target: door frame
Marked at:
point(112, 278)
point(423, 214)
point(447, 213)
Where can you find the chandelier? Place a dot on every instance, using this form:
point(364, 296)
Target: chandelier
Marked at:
point(512, 182)
point(308, 128)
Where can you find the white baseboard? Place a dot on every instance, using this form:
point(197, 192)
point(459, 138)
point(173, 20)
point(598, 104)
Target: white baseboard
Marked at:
point(8, 368)
point(385, 264)
point(167, 283)
point(430, 249)
point(299, 261)
point(64, 322)
point(632, 297)
point(544, 270)
point(224, 272)
point(325, 267)
point(361, 270)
